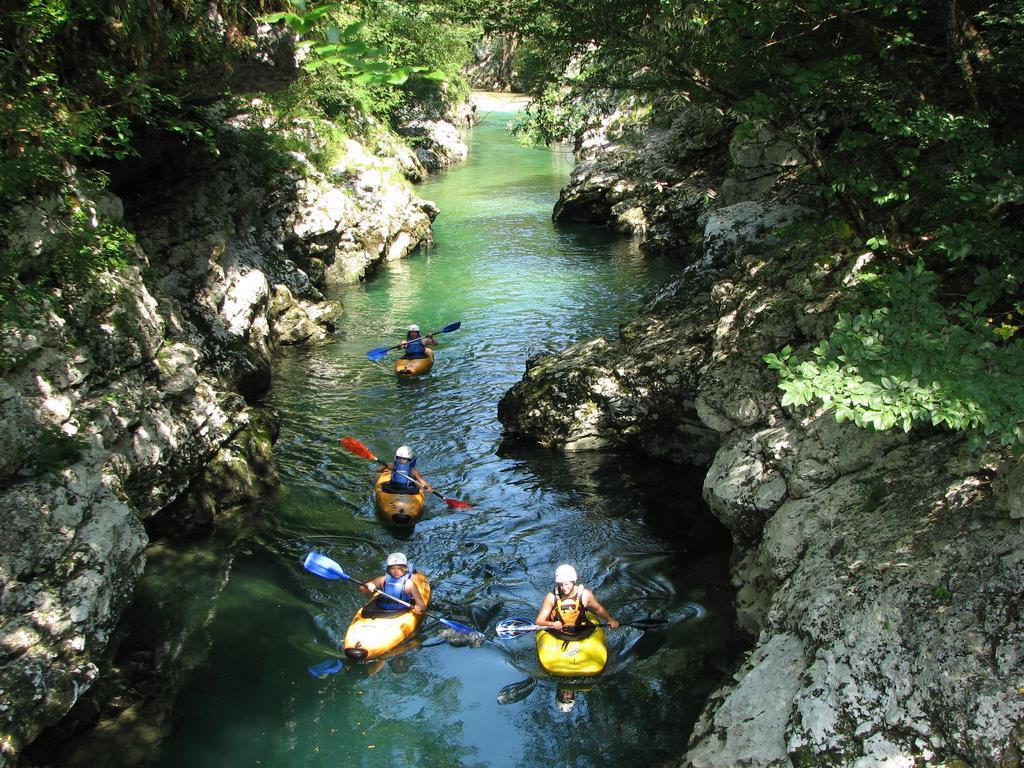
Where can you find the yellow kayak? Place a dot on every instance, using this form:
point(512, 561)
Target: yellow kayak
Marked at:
point(398, 509)
point(583, 657)
point(407, 367)
point(374, 631)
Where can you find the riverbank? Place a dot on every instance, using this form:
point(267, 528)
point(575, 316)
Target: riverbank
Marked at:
point(130, 398)
point(878, 572)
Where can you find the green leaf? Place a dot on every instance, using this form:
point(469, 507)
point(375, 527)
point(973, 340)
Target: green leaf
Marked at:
point(398, 76)
point(353, 29)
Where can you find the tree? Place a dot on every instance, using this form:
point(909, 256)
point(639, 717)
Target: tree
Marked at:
point(907, 112)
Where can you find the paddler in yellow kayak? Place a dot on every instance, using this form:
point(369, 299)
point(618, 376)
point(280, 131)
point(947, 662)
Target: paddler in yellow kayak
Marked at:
point(397, 582)
point(405, 478)
point(565, 609)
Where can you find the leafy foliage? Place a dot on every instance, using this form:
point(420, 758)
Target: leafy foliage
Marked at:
point(907, 358)
point(77, 78)
point(557, 114)
point(907, 114)
point(343, 49)
point(376, 57)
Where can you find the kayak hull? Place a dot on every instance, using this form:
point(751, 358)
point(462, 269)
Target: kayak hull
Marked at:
point(374, 632)
point(573, 658)
point(399, 510)
point(417, 367)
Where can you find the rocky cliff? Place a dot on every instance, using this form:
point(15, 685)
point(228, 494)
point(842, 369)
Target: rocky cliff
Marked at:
point(129, 399)
point(880, 576)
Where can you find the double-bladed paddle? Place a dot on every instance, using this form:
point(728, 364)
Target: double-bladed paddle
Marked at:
point(323, 566)
point(354, 446)
point(509, 628)
point(380, 352)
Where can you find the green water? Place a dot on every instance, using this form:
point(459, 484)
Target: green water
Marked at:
point(634, 530)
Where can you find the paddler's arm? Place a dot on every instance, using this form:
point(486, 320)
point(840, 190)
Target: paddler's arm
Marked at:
point(545, 611)
point(372, 585)
point(591, 604)
point(422, 481)
point(418, 606)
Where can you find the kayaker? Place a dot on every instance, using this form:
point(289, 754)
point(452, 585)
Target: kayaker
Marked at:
point(415, 345)
point(565, 608)
point(405, 478)
point(396, 582)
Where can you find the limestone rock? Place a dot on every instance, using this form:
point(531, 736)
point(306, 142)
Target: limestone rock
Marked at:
point(123, 397)
point(438, 143)
point(880, 573)
point(295, 322)
point(648, 180)
point(897, 577)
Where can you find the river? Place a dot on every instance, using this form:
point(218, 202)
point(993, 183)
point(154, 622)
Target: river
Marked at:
point(635, 530)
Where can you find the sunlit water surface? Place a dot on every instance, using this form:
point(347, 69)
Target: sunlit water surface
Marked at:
point(634, 530)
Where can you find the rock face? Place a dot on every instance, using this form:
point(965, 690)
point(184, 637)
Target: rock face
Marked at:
point(432, 127)
point(881, 575)
point(125, 398)
point(652, 184)
point(347, 223)
point(887, 601)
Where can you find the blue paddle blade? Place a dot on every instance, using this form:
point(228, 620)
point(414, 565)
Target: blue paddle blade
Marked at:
point(457, 626)
point(452, 327)
point(326, 667)
point(377, 354)
point(323, 566)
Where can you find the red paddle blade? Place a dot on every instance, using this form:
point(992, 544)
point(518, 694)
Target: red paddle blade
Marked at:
point(354, 446)
point(456, 504)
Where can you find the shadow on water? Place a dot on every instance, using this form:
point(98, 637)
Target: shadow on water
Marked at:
point(667, 497)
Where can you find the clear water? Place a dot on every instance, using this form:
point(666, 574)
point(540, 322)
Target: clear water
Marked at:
point(636, 532)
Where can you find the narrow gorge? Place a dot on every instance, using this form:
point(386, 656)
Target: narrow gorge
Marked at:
point(738, 293)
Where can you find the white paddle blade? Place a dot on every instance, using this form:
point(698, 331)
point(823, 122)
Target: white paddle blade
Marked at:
point(510, 628)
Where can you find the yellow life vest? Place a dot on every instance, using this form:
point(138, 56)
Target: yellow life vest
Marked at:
point(569, 609)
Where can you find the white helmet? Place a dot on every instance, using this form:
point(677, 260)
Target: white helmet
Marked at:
point(564, 574)
point(404, 452)
point(414, 327)
point(397, 558)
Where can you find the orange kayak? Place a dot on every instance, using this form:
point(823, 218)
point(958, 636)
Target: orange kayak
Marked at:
point(375, 631)
point(398, 509)
point(407, 367)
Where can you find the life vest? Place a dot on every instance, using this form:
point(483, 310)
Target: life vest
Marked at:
point(394, 588)
point(414, 347)
point(569, 609)
point(400, 482)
